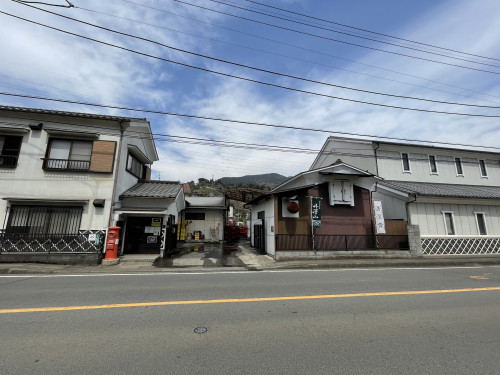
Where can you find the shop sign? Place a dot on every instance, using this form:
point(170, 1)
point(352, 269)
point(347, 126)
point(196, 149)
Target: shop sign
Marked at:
point(156, 222)
point(153, 230)
point(379, 217)
point(316, 212)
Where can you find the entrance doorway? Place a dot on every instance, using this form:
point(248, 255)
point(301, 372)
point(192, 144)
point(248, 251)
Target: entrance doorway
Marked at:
point(143, 235)
point(259, 237)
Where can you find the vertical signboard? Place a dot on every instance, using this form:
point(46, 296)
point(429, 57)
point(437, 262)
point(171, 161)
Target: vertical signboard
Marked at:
point(316, 212)
point(379, 217)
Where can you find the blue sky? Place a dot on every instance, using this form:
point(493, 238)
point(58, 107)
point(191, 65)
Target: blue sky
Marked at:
point(39, 61)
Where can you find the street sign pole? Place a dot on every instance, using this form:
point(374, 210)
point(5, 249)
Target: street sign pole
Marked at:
point(315, 218)
point(312, 227)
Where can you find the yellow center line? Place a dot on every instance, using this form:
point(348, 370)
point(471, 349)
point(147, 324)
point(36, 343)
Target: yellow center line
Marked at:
point(240, 300)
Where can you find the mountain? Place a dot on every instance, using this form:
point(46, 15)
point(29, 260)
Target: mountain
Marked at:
point(268, 179)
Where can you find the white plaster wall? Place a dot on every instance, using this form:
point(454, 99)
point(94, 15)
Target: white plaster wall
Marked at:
point(393, 208)
point(357, 153)
point(268, 208)
point(391, 167)
point(429, 216)
point(136, 135)
point(213, 220)
point(29, 181)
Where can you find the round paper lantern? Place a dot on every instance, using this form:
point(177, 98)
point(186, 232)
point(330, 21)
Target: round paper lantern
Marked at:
point(293, 207)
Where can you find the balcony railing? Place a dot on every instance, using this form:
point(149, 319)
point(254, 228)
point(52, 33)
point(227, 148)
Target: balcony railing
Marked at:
point(68, 165)
point(8, 161)
point(304, 242)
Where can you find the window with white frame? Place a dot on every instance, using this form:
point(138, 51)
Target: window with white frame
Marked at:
point(433, 164)
point(458, 167)
point(482, 167)
point(449, 223)
point(481, 223)
point(406, 162)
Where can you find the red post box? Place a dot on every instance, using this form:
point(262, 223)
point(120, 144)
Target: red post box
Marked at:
point(112, 243)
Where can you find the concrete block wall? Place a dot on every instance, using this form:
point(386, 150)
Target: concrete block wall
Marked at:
point(415, 241)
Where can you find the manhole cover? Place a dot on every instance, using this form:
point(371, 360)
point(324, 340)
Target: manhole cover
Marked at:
point(200, 330)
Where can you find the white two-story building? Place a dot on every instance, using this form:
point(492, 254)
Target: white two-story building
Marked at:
point(451, 194)
point(66, 177)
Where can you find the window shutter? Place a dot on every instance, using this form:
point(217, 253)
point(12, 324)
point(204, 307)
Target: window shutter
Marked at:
point(103, 156)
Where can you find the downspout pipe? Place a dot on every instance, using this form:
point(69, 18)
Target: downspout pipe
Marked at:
point(407, 204)
point(376, 184)
point(117, 171)
point(376, 159)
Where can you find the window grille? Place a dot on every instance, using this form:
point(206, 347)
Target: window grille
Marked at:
point(39, 220)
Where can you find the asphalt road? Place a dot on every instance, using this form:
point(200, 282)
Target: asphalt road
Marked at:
point(294, 322)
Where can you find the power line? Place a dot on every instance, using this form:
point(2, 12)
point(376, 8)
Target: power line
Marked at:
point(349, 34)
point(249, 79)
point(337, 40)
point(160, 137)
point(41, 3)
point(278, 54)
point(266, 70)
point(289, 127)
point(369, 31)
point(308, 50)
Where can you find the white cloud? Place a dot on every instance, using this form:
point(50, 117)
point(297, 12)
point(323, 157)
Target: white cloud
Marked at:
point(53, 64)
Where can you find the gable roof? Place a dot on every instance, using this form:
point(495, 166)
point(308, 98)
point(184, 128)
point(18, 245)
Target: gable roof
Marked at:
point(337, 168)
point(443, 190)
point(412, 143)
point(153, 189)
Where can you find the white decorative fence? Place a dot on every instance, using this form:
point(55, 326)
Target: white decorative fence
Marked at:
point(460, 245)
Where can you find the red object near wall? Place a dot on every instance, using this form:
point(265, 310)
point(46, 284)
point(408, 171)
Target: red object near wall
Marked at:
point(243, 231)
point(112, 243)
point(231, 233)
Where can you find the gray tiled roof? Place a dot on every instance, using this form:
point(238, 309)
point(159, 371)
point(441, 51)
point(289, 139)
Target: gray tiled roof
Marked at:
point(67, 113)
point(444, 190)
point(153, 189)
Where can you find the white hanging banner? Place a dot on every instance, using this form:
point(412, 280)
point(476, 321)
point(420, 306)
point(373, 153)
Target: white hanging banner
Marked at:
point(379, 217)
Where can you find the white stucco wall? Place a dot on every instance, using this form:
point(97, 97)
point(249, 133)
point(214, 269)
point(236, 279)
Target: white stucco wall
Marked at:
point(135, 137)
point(357, 153)
point(394, 208)
point(361, 154)
point(429, 216)
point(391, 167)
point(29, 181)
point(268, 208)
point(214, 219)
